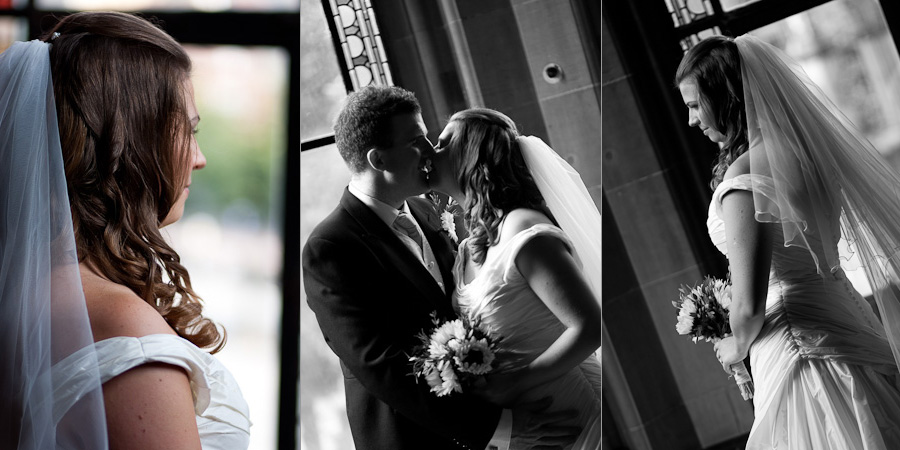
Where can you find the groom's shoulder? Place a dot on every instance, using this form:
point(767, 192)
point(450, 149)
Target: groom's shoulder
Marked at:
point(336, 225)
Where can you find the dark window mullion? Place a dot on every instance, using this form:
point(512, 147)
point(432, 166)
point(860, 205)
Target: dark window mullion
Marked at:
point(764, 12)
point(313, 144)
point(748, 17)
point(338, 50)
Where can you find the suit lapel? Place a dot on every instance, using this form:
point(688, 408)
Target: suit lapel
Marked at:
point(384, 242)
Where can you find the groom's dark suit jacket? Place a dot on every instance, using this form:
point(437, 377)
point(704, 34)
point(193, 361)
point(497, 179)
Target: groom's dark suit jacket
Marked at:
point(371, 297)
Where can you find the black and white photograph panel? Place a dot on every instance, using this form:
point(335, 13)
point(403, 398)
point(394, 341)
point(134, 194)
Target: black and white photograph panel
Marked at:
point(750, 170)
point(451, 227)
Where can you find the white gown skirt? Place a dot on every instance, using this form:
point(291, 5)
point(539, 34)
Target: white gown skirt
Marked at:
point(824, 379)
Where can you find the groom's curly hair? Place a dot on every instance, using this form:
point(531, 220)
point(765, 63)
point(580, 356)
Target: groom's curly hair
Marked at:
point(715, 65)
point(491, 173)
point(364, 121)
point(125, 134)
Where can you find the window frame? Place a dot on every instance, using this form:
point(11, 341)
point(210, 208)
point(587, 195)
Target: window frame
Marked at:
point(751, 16)
point(323, 141)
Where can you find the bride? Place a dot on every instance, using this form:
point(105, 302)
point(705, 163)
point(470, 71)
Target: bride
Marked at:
point(532, 225)
point(102, 337)
point(792, 176)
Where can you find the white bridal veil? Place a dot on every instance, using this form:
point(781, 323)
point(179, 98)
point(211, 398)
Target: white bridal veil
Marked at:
point(569, 202)
point(829, 180)
point(43, 318)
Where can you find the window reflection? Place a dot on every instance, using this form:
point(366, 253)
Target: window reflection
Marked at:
point(229, 237)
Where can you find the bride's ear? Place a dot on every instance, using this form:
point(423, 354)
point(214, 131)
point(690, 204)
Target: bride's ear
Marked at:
point(373, 157)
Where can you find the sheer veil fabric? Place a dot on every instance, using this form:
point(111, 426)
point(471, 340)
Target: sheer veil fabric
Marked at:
point(570, 203)
point(43, 317)
point(828, 179)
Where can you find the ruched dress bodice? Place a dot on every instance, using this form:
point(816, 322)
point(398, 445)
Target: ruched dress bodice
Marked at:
point(501, 298)
point(823, 370)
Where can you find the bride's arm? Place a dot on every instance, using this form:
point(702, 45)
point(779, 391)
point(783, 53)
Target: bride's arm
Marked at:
point(750, 258)
point(552, 273)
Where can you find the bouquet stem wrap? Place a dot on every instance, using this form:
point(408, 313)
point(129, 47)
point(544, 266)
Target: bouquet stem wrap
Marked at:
point(703, 314)
point(743, 380)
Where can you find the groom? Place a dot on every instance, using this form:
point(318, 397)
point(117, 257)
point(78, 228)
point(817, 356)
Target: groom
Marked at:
point(375, 269)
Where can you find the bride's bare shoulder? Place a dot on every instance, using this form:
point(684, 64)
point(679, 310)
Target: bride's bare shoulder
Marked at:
point(522, 219)
point(115, 310)
point(740, 166)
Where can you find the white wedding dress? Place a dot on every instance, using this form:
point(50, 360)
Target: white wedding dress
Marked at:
point(502, 299)
point(223, 418)
point(823, 371)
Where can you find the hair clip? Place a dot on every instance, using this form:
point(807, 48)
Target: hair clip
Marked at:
point(54, 35)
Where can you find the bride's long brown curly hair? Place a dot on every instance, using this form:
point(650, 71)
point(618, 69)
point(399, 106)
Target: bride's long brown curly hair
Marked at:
point(491, 173)
point(715, 65)
point(125, 132)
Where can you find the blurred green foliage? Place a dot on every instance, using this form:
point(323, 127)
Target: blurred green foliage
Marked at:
point(239, 169)
point(244, 145)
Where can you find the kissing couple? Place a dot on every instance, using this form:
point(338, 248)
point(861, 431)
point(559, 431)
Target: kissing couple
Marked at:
point(380, 266)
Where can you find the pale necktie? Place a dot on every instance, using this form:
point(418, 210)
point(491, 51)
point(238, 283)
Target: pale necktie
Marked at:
point(406, 225)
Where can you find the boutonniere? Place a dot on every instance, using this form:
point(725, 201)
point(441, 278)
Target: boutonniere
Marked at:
point(447, 215)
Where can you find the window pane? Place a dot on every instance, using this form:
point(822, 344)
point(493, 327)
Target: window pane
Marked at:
point(323, 416)
point(728, 5)
point(321, 85)
point(846, 48)
point(230, 237)
point(170, 5)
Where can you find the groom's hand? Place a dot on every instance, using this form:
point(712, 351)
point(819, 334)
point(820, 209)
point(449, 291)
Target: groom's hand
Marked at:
point(535, 429)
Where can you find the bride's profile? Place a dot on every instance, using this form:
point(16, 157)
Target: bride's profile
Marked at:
point(102, 337)
point(529, 268)
point(792, 177)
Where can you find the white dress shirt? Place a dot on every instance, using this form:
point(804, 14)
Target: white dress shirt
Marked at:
point(388, 214)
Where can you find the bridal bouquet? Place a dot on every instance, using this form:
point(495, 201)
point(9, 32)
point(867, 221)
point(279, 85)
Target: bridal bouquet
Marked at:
point(453, 355)
point(703, 314)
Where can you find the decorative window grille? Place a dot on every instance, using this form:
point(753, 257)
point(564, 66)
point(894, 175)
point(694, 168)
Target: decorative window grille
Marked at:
point(693, 39)
point(684, 12)
point(357, 35)
point(694, 20)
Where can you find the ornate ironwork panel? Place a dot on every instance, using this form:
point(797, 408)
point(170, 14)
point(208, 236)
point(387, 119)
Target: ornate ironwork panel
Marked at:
point(360, 42)
point(684, 12)
point(693, 39)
